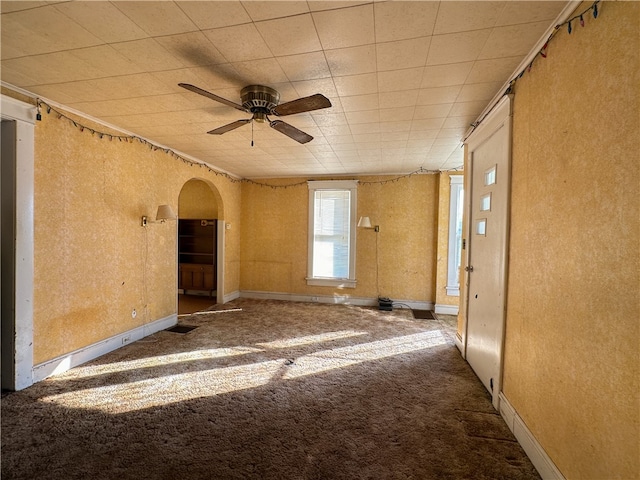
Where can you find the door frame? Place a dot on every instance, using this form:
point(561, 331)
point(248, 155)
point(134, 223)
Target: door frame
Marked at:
point(499, 117)
point(24, 115)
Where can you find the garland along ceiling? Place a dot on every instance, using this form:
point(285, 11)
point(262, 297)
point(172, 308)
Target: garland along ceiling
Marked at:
point(405, 79)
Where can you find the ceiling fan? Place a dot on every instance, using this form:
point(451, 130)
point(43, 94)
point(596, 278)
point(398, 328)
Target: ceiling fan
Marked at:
point(262, 101)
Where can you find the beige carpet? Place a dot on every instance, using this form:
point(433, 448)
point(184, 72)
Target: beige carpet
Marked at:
point(267, 390)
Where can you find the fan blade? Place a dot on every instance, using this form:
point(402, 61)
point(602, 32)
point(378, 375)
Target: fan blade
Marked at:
point(212, 96)
point(230, 126)
point(305, 104)
point(291, 131)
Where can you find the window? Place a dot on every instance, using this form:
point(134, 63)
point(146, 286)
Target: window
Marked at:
point(455, 235)
point(332, 233)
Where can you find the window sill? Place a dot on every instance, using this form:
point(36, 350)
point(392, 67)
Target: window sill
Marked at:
point(331, 282)
point(453, 291)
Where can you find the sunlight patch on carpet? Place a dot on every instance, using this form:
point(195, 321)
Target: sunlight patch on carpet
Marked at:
point(352, 355)
point(153, 392)
point(159, 360)
point(309, 339)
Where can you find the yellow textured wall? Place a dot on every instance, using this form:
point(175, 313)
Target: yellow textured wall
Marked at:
point(197, 200)
point(572, 350)
point(274, 241)
point(94, 263)
point(444, 201)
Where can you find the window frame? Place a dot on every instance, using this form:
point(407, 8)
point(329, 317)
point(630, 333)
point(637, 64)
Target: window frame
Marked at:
point(333, 185)
point(454, 254)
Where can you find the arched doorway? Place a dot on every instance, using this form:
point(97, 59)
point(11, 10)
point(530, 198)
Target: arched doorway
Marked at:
point(200, 246)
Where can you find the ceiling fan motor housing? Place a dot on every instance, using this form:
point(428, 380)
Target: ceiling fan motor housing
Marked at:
point(259, 100)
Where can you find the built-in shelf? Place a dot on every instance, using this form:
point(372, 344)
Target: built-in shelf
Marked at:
point(197, 255)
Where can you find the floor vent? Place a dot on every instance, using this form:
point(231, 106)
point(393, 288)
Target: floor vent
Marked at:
point(423, 314)
point(181, 329)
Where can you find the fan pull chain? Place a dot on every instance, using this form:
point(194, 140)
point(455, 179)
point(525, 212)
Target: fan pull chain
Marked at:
point(252, 133)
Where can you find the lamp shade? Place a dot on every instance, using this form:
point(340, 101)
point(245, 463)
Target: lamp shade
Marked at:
point(165, 212)
point(364, 222)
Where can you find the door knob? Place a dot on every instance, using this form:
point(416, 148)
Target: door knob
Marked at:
point(468, 268)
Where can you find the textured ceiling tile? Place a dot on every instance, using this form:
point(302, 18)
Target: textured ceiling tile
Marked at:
point(402, 54)
point(432, 111)
point(466, 16)
point(405, 98)
point(397, 114)
point(265, 10)
point(16, 76)
point(326, 119)
point(478, 91)
point(494, 70)
point(218, 77)
point(336, 130)
point(319, 5)
point(417, 147)
point(266, 71)
point(512, 40)
point(324, 86)
point(306, 66)
point(157, 18)
point(239, 43)
point(290, 36)
point(356, 84)
point(352, 60)
point(444, 75)
point(427, 124)
point(432, 96)
point(452, 132)
point(58, 67)
point(404, 126)
point(457, 47)
point(107, 61)
point(128, 86)
point(107, 108)
point(460, 109)
point(102, 19)
point(360, 102)
point(427, 70)
point(459, 122)
point(347, 27)
point(155, 56)
point(422, 138)
point(527, 12)
point(82, 91)
point(404, 20)
point(365, 116)
point(42, 30)
point(366, 129)
point(406, 79)
point(215, 14)
point(17, 5)
point(192, 49)
point(448, 142)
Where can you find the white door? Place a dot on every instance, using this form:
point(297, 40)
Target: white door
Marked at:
point(489, 162)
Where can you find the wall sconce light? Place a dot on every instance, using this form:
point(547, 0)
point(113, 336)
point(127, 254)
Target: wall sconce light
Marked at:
point(365, 222)
point(165, 212)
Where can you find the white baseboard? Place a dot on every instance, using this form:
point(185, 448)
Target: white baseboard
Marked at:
point(83, 355)
point(337, 299)
point(460, 345)
point(231, 296)
point(446, 309)
point(543, 463)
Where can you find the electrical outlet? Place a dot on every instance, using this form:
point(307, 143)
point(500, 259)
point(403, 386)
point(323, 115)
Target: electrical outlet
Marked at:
point(126, 339)
point(314, 299)
point(133, 313)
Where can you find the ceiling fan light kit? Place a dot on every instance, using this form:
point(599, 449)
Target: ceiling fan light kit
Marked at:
point(262, 101)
